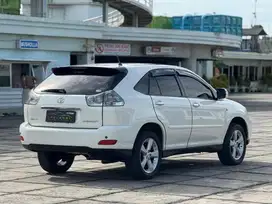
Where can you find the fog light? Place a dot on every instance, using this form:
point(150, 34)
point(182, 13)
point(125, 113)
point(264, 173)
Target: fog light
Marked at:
point(107, 142)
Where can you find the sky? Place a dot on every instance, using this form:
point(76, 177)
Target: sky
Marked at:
point(242, 8)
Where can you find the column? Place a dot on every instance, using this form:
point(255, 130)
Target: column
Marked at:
point(105, 13)
point(38, 8)
point(135, 20)
point(260, 71)
point(209, 69)
point(191, 64)
point(89, 57)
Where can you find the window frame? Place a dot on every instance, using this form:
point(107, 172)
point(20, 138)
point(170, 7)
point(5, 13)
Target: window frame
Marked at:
point(10, 75)
point(158, 72)
point(166, 72)
point(187, 74)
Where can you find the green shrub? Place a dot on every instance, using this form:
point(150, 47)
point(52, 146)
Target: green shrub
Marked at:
point(220, 81)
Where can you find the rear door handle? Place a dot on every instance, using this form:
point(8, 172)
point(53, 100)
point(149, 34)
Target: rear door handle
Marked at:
point(196, 105)
point(159, 103)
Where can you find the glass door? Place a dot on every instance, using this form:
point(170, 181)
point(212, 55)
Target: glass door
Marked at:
point(38, 72)
point(5, 76)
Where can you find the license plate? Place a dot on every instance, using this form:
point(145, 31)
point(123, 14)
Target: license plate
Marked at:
point(60, 116)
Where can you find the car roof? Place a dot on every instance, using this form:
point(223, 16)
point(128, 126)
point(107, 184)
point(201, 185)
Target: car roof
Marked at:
point(145, 67)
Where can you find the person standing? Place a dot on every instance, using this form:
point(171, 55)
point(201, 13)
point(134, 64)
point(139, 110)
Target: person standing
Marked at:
point(28, 83)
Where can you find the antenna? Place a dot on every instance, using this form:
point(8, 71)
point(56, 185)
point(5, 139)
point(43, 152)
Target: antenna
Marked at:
point(119, 62)
point(255, 12)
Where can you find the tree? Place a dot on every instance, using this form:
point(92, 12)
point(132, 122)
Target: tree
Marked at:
point(162, 22)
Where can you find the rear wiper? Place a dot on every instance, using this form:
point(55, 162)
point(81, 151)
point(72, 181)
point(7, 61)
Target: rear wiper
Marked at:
point(55, 91)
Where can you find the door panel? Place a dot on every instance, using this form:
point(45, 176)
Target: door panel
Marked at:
point(173, 110)
point(209, 115)
point(208, 122)
point(175, 113)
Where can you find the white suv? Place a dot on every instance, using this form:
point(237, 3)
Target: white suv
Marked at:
point(133, 113)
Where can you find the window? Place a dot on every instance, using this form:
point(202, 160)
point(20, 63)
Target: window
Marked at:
point(81, 81)
point(143, 84)
point(168, 86)
point(154, 88)
point(5, 75)
point(195, 89)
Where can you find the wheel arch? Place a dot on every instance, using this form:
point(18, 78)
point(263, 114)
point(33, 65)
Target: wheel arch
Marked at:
point(156, 128)
point(242, 122)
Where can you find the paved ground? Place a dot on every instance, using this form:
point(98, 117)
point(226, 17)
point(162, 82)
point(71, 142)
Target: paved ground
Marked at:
point(187, 179)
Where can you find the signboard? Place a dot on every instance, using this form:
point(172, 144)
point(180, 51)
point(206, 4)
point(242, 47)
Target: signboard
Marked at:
point(113, 49)
point(10, 7)
point(159, 50)
point(28, 44)
point(217, 53)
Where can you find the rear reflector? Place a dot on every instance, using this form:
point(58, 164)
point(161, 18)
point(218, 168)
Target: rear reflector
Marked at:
point(22, 138)
point(107, 142)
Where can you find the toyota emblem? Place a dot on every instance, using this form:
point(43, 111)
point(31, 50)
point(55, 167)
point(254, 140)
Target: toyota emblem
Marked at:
point(60, 100)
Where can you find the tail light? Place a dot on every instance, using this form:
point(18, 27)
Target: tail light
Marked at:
point(108, 98)
point(33, 98)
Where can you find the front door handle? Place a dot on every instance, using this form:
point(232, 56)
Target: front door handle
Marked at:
point(196, 105)
point(159, 103)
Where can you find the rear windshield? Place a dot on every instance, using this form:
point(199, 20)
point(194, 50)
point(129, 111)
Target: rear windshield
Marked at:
point(81, 81)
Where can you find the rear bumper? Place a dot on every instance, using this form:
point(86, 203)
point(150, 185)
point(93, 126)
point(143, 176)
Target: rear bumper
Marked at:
point(101, 154)
point(83, 139)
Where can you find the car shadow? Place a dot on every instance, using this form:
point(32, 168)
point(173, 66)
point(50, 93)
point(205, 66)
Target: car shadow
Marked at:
point(175, 172)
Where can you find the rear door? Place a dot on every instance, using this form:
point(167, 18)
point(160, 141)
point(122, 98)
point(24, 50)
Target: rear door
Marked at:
point(72, 97)
point(172, 109)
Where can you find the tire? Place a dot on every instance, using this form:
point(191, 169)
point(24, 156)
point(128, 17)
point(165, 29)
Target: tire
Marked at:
point(150, 157)
point(234, 147)
point(55, 162)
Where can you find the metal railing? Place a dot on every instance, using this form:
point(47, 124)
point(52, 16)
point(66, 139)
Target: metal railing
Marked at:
point(115, 18)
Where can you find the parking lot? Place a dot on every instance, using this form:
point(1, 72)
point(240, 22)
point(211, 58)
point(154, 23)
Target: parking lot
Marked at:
point(187, 179)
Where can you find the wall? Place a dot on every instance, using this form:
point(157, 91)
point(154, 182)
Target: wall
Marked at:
point(45, 43)
point(71, 11)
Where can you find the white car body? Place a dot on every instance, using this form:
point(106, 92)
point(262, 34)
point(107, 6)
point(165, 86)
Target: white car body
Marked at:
point(186, 124)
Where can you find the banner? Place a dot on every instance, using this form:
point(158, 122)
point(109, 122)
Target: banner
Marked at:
point(10, 7)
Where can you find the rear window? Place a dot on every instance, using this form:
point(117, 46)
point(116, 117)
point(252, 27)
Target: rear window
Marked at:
point(81, 80)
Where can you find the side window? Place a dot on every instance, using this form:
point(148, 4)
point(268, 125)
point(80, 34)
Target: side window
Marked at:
point(195, 89)
point(168, 86)
point(142, 85)
point(153, 87)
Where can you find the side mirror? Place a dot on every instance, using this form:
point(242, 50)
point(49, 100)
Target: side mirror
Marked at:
point(222, 93)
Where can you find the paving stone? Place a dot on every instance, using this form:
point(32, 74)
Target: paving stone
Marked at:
point(264, 188)
point(29, 169)
point(72, 192)
point(220, 183)
point(9, 165)
point(57, 180)
point(29, 199)
point(213, 201)
point(10, 175)
point(263, 170)
point(246, 176)
point(15, 187)
point(245, 195)
point(172, 178)
point(116, 184)
point(182, 190)
point(90, 201)
point(141, 198)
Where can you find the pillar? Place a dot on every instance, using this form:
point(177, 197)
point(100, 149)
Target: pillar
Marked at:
point(38, 8)
point(191, 64)
point(89, 56)
point(135, 20)
point(260, 71)
point(209, 69)
point(105, 12)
